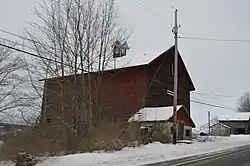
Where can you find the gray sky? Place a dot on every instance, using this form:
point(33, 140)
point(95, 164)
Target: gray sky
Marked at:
point(215, 67)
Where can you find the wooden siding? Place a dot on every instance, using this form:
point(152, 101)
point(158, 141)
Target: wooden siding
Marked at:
point(234, 125)
point(160, 79)
point(183, 117)
point(121, 93)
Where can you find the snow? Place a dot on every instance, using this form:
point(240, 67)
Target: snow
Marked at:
point(235, 116)
point(226, 126)
point(155, 152)
point(153, 114)
point(131, 60)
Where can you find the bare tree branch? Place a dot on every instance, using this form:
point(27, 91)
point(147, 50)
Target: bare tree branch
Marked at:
point(244, 103)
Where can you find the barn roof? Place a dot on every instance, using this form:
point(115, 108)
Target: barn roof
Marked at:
point(221, 124)
point(147, 114)
point(235, 116)
point(128, 62)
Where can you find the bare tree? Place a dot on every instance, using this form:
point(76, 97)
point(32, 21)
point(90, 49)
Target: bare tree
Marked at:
point(204, 128)
point(244, 103)
point(12, 95)
point(74, 37)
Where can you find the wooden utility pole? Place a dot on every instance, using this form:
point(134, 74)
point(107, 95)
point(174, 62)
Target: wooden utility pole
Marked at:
point(175, 31)
point(209, 122)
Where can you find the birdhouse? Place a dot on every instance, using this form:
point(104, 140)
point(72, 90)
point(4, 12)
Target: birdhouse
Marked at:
point(120, 50)
point(124, 48)
point(116, 49)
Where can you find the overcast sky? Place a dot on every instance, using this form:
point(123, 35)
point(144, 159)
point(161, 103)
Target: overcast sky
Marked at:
point(217, 68)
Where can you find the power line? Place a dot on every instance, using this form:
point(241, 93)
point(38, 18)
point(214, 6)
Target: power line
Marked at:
point(212, 105)
point(197, 101)
point(24, 38)
point(152, 12)
point(214, 95)
point(214, 39)
point(15, 43)
point(32, 54)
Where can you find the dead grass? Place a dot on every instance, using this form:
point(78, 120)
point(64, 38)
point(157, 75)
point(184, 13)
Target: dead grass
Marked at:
point(107, 136)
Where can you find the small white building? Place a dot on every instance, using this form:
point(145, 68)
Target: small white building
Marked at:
point(220, 129)
point(161, 119)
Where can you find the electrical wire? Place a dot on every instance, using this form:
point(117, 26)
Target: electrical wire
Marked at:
point(26, 52)
point(15, 43)
point(25, 38)
point(212, 105)
point(34, 55)
point(197, 101)
point(215, 39)
point(214, 95)
point(153, 13)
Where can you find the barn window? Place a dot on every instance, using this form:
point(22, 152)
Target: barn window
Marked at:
point(171, 67)
point(187, 133)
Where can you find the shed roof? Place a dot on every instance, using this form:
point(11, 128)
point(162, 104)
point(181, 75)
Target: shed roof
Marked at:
point(235, 116)
point(147, 114)
point(221, 124)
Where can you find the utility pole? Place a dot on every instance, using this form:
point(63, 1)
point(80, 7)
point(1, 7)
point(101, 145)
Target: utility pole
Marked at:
point(114, 63)
point(208, 122)
point(175, 31)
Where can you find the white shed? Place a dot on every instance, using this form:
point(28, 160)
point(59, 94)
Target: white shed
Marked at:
point(220, 129)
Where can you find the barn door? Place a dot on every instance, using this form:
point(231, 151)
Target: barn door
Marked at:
point(180, 131)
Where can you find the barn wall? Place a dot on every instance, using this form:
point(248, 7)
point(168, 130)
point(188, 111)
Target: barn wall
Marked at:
point(119, 93)
point(160, 79)
point(123, 94)
point(235, 125)
point(183, 118)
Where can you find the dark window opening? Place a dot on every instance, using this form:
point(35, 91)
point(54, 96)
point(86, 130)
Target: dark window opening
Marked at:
point(172, 130)
point(188, 133)
point(240, 131)
point(171, 67)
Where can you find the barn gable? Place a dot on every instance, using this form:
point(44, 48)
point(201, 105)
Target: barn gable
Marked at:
point(121, 91)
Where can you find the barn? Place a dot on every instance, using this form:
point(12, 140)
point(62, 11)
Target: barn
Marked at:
point(237, 121)
point(120, 93)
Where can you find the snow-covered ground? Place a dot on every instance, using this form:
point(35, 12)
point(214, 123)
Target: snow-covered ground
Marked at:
point(151, 153)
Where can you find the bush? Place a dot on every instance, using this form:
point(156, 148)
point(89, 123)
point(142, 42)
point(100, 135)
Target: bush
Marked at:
point(108, 136)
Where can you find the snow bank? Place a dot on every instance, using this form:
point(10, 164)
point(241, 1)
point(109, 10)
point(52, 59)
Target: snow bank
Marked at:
point(151, 153)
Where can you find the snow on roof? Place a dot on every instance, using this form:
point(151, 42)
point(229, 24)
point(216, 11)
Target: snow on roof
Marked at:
point(226, 126)
point(235, 116)
point(131, 60)
point(153, 114)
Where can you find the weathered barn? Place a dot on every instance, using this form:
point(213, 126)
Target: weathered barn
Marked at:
point(220, 129)
point(161, 119)
point(120, 92)
point(237, 121)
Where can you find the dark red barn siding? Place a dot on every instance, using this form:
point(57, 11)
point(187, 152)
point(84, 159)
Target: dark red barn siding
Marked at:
point(182, 116)
point(121, 92)
point(160, 79)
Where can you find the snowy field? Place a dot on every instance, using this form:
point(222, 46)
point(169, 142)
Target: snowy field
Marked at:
point(151, 153)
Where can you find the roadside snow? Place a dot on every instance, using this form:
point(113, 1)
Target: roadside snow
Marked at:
point(151, 153)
